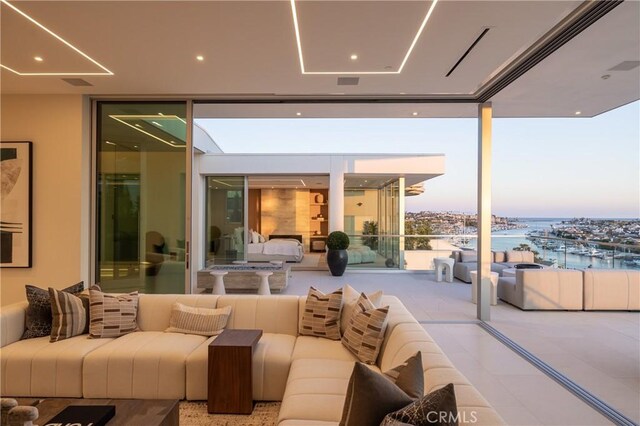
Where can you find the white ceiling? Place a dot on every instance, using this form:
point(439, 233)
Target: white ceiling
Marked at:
point(250, 52)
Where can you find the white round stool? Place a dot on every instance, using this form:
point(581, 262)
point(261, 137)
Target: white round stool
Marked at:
point(445, 263)
point(218, 283)
point(264, 282)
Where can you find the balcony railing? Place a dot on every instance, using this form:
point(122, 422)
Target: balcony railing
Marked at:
point(416, 252)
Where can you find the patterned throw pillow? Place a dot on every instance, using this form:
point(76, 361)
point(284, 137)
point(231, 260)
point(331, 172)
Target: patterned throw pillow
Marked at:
point(349, 299)
point(70, 314)
point(321, 315)
point(201, 321)
point(38, 320)
point(370, 397)
point(409, 376)
point(365, 332)
point(112, 315)
point(436, 408)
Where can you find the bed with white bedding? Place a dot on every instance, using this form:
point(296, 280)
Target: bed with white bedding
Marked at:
point(285, 249)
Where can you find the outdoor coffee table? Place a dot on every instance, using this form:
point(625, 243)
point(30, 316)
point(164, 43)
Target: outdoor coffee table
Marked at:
point(230, 387)
point(148, 412)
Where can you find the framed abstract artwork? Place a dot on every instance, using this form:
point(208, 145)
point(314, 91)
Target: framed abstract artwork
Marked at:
point(16, 204)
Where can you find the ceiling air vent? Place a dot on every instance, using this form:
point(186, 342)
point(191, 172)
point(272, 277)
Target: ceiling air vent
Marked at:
point(625, 66)
point(76, 82)
point(348, 81)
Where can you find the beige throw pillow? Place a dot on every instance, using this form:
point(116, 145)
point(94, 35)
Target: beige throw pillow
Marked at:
point(321, 316)
point(349, 299)
point(112, 315)
point(200, 321)
point(365, 332)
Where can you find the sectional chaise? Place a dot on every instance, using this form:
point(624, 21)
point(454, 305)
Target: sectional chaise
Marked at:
point(308, 374)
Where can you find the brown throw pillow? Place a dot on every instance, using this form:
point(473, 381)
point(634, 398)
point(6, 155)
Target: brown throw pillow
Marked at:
point(350, 297)
point(112, 315)
point(409, 376)
point(436, 408)
point(39, 318)
point(321, 315)
point(70, 314)
point(365, 332)
point(370, 397)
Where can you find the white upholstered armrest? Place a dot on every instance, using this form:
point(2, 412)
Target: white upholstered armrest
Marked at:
point(12, 322)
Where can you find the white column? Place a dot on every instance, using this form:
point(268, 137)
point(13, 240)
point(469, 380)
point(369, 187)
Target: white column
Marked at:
point(336, 194)
point(484, 210)
point(401, 208)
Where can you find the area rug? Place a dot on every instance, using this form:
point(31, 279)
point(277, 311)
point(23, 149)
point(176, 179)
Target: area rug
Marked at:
point(195, 414)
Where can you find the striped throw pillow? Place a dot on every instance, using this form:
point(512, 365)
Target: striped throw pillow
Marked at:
point(70, 314)
point(365, 332)
point(112, 315)
point(321, 316)
point(201, 321)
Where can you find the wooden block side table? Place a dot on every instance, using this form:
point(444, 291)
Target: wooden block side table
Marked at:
point(230, 386)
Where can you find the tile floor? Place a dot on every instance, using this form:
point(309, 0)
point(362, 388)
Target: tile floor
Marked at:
point(598, 350)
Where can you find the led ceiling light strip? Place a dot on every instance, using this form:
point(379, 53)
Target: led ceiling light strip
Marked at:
point(106, 71)
point(117, 118)
point(296, 27)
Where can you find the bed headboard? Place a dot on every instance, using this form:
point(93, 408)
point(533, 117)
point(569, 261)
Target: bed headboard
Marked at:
point(295, 237)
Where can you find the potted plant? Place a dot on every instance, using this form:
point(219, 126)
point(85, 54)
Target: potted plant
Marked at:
point(337, 256)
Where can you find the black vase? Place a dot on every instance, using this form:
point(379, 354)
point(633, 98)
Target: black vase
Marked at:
point(337, 261)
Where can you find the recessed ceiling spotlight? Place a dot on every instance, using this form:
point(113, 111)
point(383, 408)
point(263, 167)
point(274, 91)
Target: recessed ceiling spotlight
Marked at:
point(298, 114)
point(606, 76)
point(200, 58)
point(135, 146)
point(403, 93)
point(578, 112)
point(108, 142)
point(414, 113)
point(38, 58)
point(354, 57)
point(388, 67)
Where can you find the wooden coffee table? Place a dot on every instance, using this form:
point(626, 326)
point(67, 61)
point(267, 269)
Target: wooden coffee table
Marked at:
point(230, 388)
point(148, 412)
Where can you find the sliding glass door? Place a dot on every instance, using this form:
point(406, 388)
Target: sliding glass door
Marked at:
point(225, 219)
point(141, 196)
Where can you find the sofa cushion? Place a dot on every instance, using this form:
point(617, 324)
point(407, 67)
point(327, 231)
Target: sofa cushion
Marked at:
point(38, 321)
point(316, 389)
point(468, 256)
point(318, 347)
point(370, 397)
point(112, 315)
point(515, 256)
point(321, 316)
point(201, 321)
point(365, 331)
point(499, 256)
point(37, 367)
point(271, 362)
point(612, 290)
point(271, 314)
point(146, 365)
point(70, 314)
point(349, 299)
point(435, 408)
point(154, 310)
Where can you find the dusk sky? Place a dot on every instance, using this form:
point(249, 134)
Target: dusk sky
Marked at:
point(574, 167)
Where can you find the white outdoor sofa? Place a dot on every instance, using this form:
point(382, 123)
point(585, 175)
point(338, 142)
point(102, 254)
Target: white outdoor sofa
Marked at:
point(567, 289)
point(466, 261)
point(308, 374)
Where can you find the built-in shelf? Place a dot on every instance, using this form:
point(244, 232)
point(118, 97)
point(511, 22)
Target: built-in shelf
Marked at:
point(319, 204)
point(318, 225)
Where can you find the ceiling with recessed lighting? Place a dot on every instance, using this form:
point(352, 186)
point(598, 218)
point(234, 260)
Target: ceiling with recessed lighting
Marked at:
point(254, 50)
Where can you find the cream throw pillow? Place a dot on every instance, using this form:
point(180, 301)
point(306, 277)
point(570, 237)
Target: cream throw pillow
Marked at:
point(365, 332)
point(349, 299)
point(200, 321)
point(514, 256)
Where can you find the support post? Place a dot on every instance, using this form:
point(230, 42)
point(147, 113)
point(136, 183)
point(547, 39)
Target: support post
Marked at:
point(484, 211)
point(401, 208)
point(336, 194)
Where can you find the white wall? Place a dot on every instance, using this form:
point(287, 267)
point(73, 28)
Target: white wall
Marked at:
point(57, 126)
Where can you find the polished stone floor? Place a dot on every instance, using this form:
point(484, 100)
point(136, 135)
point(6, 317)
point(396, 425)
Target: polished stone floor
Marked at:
point(600, 351)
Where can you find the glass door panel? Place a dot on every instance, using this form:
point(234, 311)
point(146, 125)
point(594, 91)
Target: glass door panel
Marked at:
point(225, 219)
point(140, 193)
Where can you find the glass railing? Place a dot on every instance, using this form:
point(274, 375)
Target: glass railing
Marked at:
point(416, 252)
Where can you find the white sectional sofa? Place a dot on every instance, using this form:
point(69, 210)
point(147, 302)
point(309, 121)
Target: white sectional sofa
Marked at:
point(465, 262)
point(308, 374)
point(568, 289)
